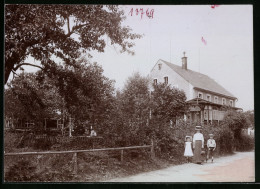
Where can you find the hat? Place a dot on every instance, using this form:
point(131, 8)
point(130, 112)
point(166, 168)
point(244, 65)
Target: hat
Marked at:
point(188, 137)
point(211, 135)
point(198, 128)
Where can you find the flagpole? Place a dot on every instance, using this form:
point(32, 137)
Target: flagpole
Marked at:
point(199, 59)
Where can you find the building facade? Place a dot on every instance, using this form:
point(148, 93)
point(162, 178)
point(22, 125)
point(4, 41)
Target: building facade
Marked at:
point(207, 100)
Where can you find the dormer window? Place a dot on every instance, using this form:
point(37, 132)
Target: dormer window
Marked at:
point(231, 103)
point(200, 95)
point(208, 97)
point(155, 81)
point(159, 66)
point(216, 99)
point(166, 80)
point(223, 101)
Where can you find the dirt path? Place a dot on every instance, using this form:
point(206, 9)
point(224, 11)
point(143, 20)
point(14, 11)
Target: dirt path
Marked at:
point(239, 167)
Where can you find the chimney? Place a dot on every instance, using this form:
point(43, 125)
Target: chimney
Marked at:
point(184, 61)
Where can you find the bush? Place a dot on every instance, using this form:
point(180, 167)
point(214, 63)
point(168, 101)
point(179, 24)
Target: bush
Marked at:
point(236, 122)
point(225, 141)
point(245, 143)
point(169, 142)
point(21, 171)
point(79, 130)
point(42, 144)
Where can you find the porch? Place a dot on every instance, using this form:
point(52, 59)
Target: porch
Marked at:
point(204, 112)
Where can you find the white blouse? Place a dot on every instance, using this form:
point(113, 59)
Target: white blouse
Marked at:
point(198, 136)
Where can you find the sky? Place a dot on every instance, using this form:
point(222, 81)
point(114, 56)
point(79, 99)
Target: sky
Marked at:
point(225, 54)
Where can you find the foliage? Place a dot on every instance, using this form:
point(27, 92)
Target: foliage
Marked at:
point(81, 91)
point(79, 130)
point(167, 102)
point(42, 144)
point(23, 170)
point(170, 142)
point(225, 140)
point(139, 116)
point(25, 99)
point(135, 99)
point(236, 121)
point(130, 111)
point(250, 114)
point(61, 31)
point(246, 143)
point(87, 93)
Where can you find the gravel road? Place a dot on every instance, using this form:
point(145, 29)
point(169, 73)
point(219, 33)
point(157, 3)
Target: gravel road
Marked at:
point(239, 167)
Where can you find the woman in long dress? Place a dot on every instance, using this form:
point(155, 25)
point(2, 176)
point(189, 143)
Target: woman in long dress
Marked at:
point(198, 144)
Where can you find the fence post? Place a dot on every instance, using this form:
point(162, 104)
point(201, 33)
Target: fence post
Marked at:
point(122, 155)
point(75, 164)
point(152, 149)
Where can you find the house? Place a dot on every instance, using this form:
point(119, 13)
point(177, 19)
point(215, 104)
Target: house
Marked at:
point(207, 100)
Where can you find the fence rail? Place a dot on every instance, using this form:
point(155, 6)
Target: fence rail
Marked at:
point(75, 152)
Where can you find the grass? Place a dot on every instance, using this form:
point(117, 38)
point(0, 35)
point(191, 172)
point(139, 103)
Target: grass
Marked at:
point(92, 166)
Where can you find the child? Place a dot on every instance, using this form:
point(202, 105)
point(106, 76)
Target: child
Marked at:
point(211, 144)
point(188, 150)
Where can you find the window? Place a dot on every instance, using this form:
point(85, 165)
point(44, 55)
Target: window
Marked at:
point(208, 97)
point(166, 80)
point(159, 66)
point(155, 81)
point(223, 101)
point(216, 99)
point(231, 103)
point(200, 95)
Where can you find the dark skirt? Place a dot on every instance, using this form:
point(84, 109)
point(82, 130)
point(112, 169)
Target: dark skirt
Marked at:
point(197, 158)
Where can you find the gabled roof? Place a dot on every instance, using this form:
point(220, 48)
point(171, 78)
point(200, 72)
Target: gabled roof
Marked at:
point(199, 80)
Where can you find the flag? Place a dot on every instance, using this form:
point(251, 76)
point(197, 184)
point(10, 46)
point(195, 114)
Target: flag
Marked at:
point(213, 6)
point(203, 41)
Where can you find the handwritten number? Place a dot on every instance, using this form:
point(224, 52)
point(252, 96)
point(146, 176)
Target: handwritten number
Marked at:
point(148, 13)
point(151, 12)
point(131, 11)
point(142, 12)
point(136, 10)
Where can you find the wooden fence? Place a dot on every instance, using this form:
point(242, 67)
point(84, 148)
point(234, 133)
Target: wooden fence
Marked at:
point(75, 152)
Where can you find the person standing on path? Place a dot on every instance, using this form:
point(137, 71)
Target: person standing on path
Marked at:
point(198, 144)
point(188, 150)
point(211, 144)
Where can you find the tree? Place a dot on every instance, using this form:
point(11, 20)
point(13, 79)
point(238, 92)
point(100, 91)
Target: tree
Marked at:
point(61, 31)
point(250, 114)
point(86, 92)
point(26, 99)
point(236, 121)
point(168, 102)
point(135, 99)
point(130, 111)
point(79, 90)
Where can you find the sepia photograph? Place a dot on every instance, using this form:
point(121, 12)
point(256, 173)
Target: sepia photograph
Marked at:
point(128, 93)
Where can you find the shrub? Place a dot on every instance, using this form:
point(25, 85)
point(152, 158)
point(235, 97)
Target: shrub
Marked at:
point(225, 141)
point(42, 144)
point(236, 122)
point(245, 143)
point(23, 170)
point(79, 130)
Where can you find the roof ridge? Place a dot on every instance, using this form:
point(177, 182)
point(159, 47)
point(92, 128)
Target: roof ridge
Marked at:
point(199, 80)
point(187, 68)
